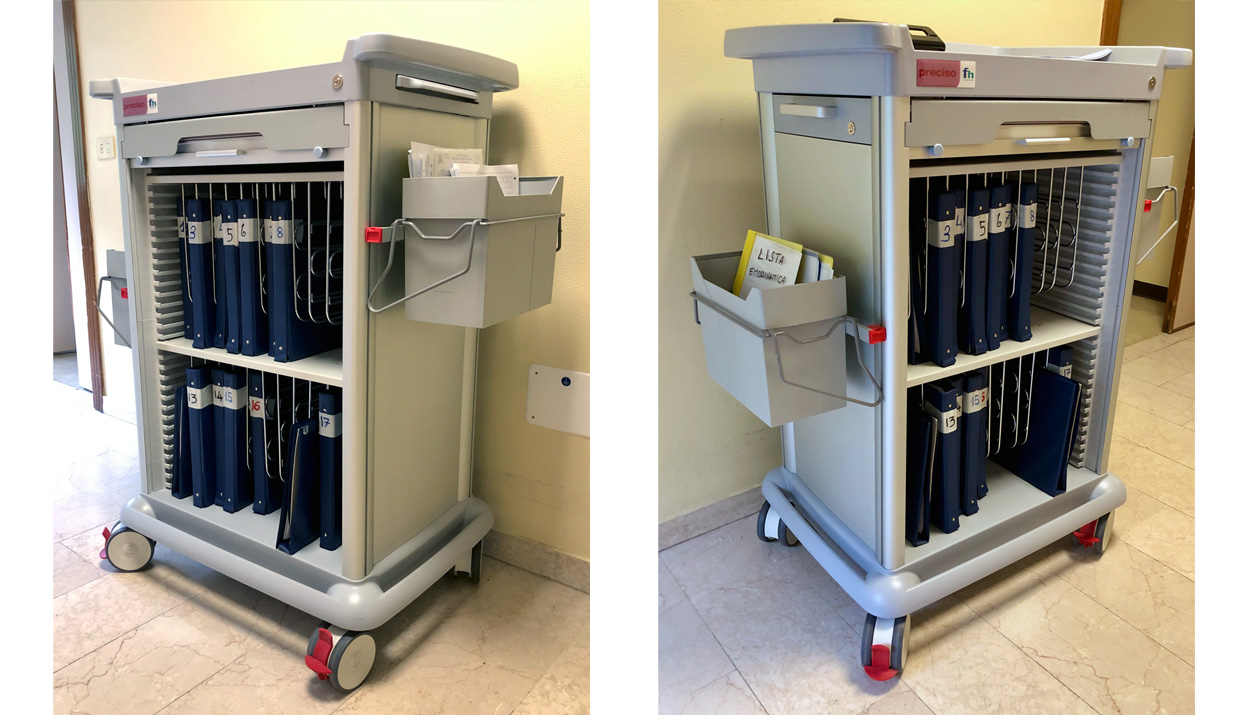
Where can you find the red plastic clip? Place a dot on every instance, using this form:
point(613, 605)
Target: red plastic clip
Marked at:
point(880, 668)
point(876, 334)
point(125, 293)
point(318, 661)
point(1149, 203)
point(104, 553)
point(373, 234)
point(1085, 535)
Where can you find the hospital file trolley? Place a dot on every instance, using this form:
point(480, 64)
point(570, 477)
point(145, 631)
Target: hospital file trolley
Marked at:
point(322, 153)
point(862, 132)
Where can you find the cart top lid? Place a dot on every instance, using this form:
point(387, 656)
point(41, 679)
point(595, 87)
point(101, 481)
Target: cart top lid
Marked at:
point(877, 58)
point(442, 69)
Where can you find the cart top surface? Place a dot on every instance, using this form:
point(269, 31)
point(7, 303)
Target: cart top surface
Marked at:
point(875, 58)
point(451, 70)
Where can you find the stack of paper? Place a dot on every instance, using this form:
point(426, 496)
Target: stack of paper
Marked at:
point(771, 262)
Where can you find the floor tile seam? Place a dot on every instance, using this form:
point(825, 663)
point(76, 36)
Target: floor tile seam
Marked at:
point(1148, 448)
point(207, 678)
point(1160, 561)
point(1165, 415)
point(1018, 647)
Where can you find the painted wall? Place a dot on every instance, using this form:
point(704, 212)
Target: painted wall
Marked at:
point(1169, 23)
point(536, 480)
point(712, 192)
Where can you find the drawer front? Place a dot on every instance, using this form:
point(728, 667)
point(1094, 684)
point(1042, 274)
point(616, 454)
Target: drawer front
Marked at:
point(955, 122)
point(283, 130)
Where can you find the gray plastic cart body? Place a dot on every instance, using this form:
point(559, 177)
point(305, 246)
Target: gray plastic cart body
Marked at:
point(408, 388)
point(847, 124)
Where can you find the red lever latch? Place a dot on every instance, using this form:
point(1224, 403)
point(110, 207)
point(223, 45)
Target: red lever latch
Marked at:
point(373, 234)
point(1149, 203)
point(125, 293)
point(876, 334)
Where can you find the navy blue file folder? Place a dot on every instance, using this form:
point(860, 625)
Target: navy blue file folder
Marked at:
point(1043, 458)
point(230, 253)
point(181, 484)
point(301, 503)
point(219, 274)
point(941, 314)
point(330, 435)
point(289, 337)
point(234, 477)
point(1018, 301)
point(184, 269)
point(975, 450)
point(253, 326)
point(941, 401)
point(203, 443)
point(972, 338)
point(917, 221)
point(266, 489)
point(996, 261)
point(921, 442)
point(1059, 360)
point(200, 265)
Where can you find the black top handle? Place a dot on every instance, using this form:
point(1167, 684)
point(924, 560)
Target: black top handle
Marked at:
point(926, 40)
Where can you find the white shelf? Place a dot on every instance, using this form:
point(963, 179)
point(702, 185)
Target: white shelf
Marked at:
point(1049, 329)
point(261, 528)
point(1009, 496)
point(326, 368)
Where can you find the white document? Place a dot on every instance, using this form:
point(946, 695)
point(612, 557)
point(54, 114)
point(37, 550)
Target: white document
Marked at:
point(505, 174)
point(430, 160)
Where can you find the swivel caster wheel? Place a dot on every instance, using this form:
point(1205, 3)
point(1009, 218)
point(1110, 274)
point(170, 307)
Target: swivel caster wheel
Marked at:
point(127, 549)
point(1095, 534)
point(769, 527)
point(340, 656)
point(469, 565)
point(883, 652)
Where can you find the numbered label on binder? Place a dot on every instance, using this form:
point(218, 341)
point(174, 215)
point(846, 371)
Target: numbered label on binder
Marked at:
point(947, 421)
point(331, 425)
point(182, 227)
point(219, 397)
point(199, 398)
point(980, 227)
point(960, 213)
point(282, 232)
point(247, 230)
point(232, 398)
point(942, 233)
point(262, 408)
point(975, 401)
point(197, 232)
point(1027, 214)
point(1000, 219)
point(230, 235)
point(218, 233)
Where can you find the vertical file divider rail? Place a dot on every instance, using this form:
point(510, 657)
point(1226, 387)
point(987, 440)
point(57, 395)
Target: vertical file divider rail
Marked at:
point(325, 144)
point(911, 120)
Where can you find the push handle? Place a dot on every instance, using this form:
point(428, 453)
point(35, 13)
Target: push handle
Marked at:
point(423, 86)
point(817, 111)
point(927, 40)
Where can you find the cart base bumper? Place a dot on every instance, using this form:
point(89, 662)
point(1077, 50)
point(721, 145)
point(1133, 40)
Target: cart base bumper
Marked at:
point(893, 594)
point(362, 605)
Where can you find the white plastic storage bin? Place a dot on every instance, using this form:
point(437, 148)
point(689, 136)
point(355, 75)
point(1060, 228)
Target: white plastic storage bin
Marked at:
point(779, 351)
point(481, 257)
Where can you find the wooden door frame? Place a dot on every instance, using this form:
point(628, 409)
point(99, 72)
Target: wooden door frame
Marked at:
point(1182, 246)
point(73, 158)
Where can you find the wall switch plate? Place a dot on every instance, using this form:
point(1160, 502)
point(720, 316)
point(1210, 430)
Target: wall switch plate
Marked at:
point(104, 148)
point(558, 399)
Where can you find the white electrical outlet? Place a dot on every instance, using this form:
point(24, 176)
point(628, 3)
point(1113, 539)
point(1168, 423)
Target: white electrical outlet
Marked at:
point(104, 148)
point(558, 399)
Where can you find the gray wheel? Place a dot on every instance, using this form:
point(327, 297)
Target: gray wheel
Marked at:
point(127, 549)
point(761, 523)
point(1102, 532)
point(891, 633)
point(351, 660)
point(785, 536)
point(475, 574)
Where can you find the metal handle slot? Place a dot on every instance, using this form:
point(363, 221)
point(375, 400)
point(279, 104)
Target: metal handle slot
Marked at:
point(774, 334)
point(468, 264)
point(434, 89)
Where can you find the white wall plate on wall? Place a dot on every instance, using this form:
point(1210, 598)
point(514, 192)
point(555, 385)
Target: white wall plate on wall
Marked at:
point(558, 399)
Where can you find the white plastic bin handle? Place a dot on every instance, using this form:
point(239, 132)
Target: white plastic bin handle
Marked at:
point(1043, 140)
point(818, 111)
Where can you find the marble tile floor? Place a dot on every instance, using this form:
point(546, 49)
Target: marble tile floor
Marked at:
point(748, 627)
point(180, 638)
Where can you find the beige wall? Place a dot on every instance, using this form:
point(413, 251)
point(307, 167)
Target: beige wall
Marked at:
point(536, 480)
point(711, 193)
point(1170, 23)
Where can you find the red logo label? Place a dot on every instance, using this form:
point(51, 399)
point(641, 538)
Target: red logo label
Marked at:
point(937, 73)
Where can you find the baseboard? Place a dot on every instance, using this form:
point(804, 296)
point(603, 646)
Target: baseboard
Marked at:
point(1151, 291)
point(714, 516)
point(538, 558)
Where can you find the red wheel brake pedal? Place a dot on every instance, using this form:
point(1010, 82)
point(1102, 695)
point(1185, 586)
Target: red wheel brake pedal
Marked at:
point(880, 668)
point(1085, 535)
point(104, 553)
point(318, 662)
